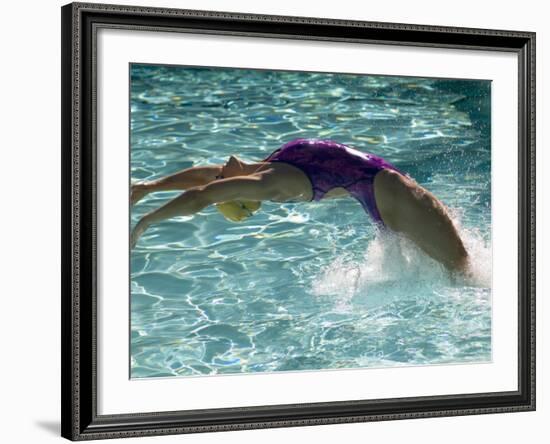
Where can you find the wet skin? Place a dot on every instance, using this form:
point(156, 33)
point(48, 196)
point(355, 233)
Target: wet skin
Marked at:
point(405, 207)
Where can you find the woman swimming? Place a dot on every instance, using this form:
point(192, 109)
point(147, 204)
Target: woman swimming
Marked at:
point(307, 170)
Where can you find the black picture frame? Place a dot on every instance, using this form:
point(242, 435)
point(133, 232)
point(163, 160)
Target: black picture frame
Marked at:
point(80, 420)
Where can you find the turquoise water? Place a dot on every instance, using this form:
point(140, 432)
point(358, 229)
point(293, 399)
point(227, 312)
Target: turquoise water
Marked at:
point(306, 286)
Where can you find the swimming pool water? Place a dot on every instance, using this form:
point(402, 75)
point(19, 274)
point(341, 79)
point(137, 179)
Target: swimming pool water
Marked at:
point(305, 286)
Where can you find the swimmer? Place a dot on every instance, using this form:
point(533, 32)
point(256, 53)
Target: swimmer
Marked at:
point(313, 170)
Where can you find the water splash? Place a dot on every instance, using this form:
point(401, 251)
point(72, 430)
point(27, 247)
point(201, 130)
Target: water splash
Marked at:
point(394, 268)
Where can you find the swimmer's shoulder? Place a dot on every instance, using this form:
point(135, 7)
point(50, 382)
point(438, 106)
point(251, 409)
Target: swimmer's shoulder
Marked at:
point(290, 180)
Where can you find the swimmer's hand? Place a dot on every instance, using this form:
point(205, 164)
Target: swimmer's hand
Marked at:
point(138, 230)
point(139, 191)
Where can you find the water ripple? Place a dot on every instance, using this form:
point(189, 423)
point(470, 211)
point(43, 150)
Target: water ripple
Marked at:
point(309, 286)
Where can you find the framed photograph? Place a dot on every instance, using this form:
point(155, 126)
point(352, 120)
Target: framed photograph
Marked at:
point(274, 221)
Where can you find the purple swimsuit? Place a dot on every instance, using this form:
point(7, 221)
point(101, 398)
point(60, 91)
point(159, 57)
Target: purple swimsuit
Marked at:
point(329, 164)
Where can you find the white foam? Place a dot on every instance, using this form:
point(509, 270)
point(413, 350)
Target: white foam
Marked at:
point(391, 260)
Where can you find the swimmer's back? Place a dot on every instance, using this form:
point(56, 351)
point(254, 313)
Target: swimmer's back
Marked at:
point(329, 164)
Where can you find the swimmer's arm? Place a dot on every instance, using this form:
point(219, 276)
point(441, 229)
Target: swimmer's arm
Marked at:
point(254, 187)
point(182, 180)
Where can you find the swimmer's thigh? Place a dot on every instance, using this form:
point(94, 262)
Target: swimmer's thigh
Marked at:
point(408, 208)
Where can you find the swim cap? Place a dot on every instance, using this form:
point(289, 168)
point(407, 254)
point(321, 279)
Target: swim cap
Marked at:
point(238, 210)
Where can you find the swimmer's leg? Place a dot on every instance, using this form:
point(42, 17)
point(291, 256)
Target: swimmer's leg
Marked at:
point(408, 208)
point(182, 180)
point(255, 187)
